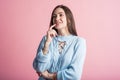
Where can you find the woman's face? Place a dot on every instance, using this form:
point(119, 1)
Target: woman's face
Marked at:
point(59, 18)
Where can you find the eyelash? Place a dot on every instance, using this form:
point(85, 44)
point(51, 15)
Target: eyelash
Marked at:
point(54, 16)
point(61, 14)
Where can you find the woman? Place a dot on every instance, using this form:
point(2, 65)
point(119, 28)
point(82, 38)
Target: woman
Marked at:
point(61, 52)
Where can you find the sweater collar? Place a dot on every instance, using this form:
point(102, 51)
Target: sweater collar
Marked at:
point(64, 38)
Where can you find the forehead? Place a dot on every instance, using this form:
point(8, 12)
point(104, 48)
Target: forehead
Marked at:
point(59, 10)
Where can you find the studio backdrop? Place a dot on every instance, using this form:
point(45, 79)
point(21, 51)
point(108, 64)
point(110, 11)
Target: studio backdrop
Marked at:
point(24, 22)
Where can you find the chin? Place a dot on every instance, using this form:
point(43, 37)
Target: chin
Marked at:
point(59, 27)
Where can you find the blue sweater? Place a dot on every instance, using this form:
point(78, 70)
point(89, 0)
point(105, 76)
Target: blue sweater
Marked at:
point(68, 64)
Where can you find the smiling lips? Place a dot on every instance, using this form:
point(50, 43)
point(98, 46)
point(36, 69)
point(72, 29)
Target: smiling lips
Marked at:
point(57, 23)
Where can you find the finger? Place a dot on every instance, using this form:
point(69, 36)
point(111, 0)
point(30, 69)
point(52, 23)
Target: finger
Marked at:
point(53, 33)
point(52, 27)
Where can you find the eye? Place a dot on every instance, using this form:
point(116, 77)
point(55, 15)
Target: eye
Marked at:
point(61, 15)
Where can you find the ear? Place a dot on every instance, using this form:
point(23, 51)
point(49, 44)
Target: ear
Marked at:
point(69, 22)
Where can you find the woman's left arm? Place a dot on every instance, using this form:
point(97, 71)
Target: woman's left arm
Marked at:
point(74, 70)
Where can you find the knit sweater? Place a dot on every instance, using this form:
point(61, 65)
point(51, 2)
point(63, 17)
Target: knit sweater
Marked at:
point(68, 64)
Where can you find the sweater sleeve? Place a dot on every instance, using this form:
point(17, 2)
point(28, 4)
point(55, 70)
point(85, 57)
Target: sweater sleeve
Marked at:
point(74, 70)
point(41, 61)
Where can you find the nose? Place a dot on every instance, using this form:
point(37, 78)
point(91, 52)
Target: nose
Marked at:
point(57, 18)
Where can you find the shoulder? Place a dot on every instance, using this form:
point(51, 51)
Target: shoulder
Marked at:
point(79, 42)
point(79, 39)
point(44, 37)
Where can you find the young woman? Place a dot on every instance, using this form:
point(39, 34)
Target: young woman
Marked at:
point(61, 52)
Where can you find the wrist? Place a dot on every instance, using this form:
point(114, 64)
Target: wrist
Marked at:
point(47, 42)
point(46, 45)
point(45, 51)
point(45, 48)
point(52, 76)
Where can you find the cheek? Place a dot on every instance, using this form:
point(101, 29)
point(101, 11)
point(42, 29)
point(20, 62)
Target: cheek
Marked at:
point(65, 21)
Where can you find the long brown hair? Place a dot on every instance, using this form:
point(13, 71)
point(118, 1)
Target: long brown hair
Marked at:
point(70, 19)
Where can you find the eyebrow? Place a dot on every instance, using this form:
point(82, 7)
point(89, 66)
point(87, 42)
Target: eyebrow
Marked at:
point(58, 13)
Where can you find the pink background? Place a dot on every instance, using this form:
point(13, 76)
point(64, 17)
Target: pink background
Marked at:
point(24, 22)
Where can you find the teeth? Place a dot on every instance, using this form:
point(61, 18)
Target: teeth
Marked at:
point(58, 23)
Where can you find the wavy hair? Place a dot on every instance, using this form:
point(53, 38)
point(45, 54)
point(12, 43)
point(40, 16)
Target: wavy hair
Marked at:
point(70, 19)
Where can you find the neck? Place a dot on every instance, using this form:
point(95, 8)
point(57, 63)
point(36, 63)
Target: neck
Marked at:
point(63, 32)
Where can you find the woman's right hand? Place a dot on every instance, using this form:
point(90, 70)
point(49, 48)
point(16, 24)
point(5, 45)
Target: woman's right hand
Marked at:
point(51, 33)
